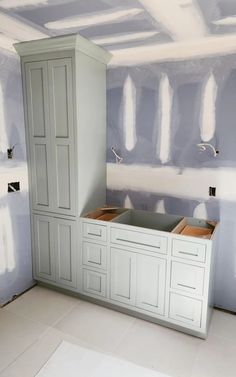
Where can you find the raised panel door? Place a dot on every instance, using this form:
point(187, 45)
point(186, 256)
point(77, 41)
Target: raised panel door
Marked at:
point(44, 247)
point(65, 250)
point(39, 135)
point(151, 277)
point(123, 276)
point(63, 136)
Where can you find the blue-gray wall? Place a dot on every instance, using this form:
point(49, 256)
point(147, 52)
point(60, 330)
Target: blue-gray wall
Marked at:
point(187, 80)
point(15, 245)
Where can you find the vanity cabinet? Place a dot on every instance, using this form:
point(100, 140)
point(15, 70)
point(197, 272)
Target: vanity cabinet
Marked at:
point(64, 88)
point(144, 263)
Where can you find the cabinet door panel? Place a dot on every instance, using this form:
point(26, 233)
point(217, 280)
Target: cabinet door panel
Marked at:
point(63, 177)
point(151, 276)
point(123, 276)
point(65, 245)
point(63, 137)
point(41, 179)
point(43, 247)
point(39, 134)
point(36, 81)
point(94, 283)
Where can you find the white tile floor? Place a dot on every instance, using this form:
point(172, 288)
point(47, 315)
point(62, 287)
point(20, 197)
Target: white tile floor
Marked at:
point(33, 326)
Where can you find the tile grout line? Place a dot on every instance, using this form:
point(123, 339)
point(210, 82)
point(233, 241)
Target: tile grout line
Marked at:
point(26, 349)
point(65, 314)
point(123, 336)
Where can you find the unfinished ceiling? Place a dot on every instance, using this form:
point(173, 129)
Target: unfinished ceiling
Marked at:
point(136, 31)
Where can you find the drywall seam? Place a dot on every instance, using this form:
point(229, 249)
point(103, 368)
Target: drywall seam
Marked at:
point(160, 206)
point(122, 38)
point(98, 18)
point(182, 21)
point(190, 184)
point(129, 114)
point(201, 48)
point(8, 4)
point(208, 117)
point(165, 106)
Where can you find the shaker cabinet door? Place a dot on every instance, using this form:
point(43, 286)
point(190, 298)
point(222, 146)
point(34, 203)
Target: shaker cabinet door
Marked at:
point(44, 247)
point(123, 276)
point(151, 277)
point(63, 137)
point(39, 135)
point(65, 250)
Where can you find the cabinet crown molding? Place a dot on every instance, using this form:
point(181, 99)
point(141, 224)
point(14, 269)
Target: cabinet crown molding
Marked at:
point(63, 43)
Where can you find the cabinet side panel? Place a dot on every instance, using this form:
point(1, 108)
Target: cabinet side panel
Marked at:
point(91, 120)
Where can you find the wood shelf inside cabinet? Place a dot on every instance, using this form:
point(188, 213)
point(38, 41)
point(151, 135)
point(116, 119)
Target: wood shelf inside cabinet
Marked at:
point(195, 228)
point(104, 214)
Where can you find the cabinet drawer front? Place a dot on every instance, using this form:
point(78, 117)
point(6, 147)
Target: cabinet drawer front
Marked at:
point(189, 250)
point(185, 309)
point(94, 255)
point(151, 242)
point(94, 283)
point(94, 231)
point(187, 278)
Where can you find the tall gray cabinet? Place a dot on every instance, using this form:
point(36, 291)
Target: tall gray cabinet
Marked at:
point(64, 87)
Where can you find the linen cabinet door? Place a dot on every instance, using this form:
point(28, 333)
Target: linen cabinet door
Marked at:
point(123, 276)
point(151, 279)
point(44, 256)
point(65, 249)
point(36, 86)
point(63, 137)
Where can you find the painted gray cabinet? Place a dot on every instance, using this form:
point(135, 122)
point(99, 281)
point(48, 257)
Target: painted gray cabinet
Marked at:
point(44, 252)
point(65, 238)
point(39, 135)
point(151, 267)
point(49, 95)
point(55, 249)
point(151, 283)
point(123, 276)
point(64, 87)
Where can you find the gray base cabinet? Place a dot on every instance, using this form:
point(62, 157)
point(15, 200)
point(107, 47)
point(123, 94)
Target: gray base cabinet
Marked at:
point(55, 250)
point(141, 262)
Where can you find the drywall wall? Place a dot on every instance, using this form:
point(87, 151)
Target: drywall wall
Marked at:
point(15, 246)
point(157, 114)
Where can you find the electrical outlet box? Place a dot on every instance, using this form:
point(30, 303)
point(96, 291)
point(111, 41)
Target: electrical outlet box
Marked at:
point(212, 191)
point(13, 187)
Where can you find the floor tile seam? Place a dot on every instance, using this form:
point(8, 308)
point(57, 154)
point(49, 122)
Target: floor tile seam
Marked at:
point(53, 325)
point(123, 336)
point(19, 355)
point(30, 319)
